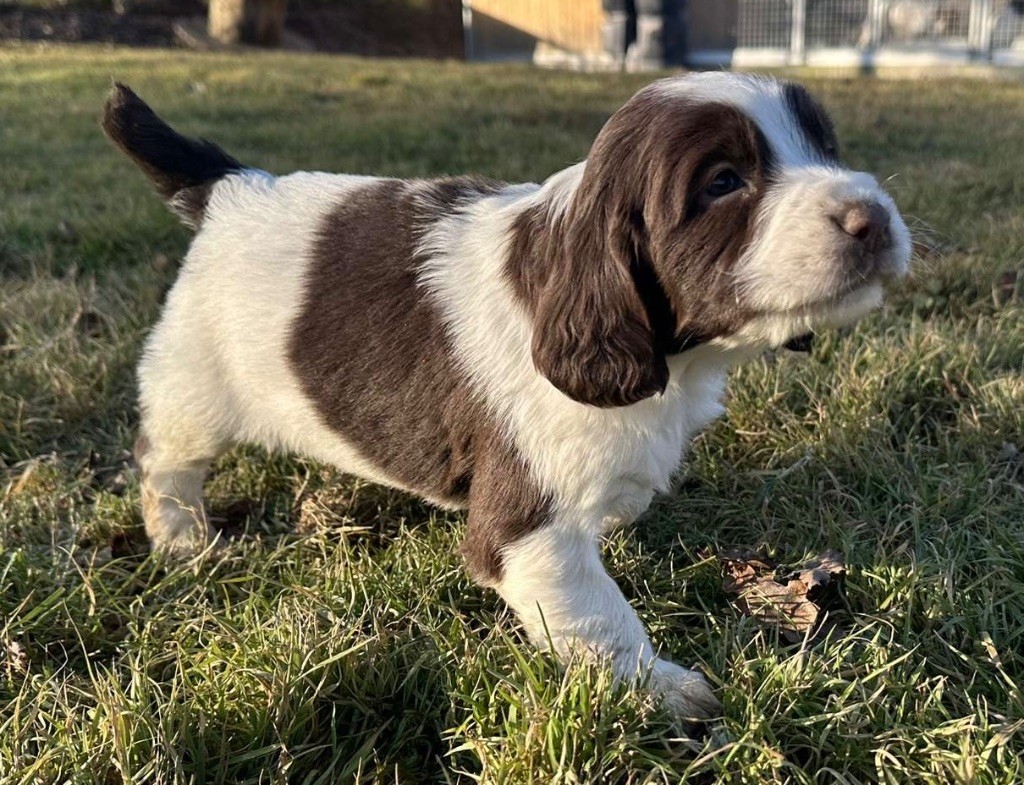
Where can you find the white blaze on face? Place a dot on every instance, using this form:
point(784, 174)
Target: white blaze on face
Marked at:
point(800, 270)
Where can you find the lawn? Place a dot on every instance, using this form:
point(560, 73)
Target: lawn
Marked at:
point(339, 638)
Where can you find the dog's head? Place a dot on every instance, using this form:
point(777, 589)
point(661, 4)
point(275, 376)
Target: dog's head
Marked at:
point(711, 208)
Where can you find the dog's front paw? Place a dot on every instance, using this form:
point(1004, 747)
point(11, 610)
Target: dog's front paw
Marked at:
point(684, 693)
point(188, 543)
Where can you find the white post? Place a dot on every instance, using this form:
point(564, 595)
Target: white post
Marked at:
point(876, 14)
point(467, 30)
point(980, 25)
point(797, 48)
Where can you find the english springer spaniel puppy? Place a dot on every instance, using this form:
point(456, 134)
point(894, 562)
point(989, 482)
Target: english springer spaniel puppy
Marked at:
point(539, 355)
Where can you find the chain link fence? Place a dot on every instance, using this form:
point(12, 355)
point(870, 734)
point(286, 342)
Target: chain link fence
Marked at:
point(879, 32)
point(648, 34)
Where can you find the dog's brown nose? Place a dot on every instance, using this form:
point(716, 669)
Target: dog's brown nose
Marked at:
point(867, 222)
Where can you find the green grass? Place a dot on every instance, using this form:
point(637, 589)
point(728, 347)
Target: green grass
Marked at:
point(340, 640)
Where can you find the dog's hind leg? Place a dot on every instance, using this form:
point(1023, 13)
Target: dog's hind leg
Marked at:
point(172, 497)
point(186, 424)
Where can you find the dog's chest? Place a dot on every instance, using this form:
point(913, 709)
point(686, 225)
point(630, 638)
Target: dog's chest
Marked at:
point(603, 466)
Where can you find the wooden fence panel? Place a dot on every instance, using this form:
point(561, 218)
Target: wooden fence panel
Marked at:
point(573, 25)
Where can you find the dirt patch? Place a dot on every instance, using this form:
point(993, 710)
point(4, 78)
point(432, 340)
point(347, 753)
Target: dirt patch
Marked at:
point(79, 26)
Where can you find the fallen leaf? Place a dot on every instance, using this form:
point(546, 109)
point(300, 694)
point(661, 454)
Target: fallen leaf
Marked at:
point(791, 599)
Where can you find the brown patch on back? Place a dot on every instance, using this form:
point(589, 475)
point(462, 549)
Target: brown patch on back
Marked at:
point(372, 354)
point(371, 351)
point(639, 265)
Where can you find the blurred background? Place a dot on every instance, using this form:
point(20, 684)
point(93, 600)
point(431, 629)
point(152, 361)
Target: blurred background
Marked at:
point(584, 34)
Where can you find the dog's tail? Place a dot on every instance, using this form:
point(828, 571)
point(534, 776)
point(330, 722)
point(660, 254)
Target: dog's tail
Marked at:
point(182, 170)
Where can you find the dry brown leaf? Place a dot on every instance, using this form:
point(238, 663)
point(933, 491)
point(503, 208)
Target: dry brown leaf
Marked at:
point(790, 599)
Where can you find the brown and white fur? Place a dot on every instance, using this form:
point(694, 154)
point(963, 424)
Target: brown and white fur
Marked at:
point(540, 355)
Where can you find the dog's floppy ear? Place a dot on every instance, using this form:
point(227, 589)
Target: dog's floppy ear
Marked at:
point(593, 337)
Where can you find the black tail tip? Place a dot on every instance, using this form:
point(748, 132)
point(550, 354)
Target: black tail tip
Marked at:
point(120, 111)
point(120, 95)
point(181, 169)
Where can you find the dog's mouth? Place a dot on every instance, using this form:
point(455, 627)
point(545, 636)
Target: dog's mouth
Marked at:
point(803, 342)
point(795, 328)
point(841, 309)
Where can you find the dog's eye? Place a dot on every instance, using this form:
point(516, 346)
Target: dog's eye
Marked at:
point(725, 182)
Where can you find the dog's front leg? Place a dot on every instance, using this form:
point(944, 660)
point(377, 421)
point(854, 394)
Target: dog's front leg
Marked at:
point(556, 583)
point(550, 572)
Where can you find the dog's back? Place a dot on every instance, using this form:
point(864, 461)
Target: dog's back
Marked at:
point(219, 365)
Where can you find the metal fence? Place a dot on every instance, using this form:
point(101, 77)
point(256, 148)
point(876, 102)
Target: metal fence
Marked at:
point(879, 32)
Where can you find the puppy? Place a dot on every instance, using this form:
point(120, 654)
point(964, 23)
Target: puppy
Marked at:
point(539, 355)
